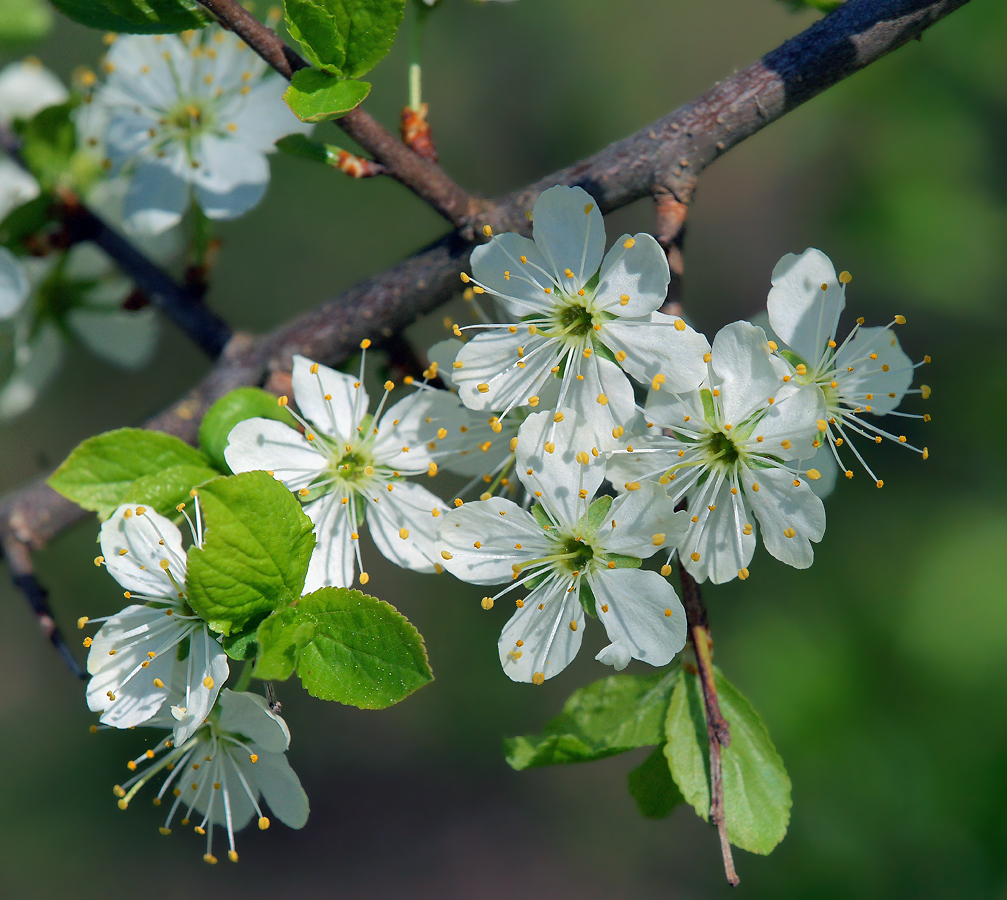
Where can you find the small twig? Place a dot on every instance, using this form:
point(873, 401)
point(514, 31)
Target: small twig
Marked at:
point(717, 728)
point(670, 233)
point(424, 178)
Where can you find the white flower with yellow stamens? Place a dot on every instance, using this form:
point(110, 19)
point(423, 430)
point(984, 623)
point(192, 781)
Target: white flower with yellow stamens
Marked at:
point(146, 652)
point(866, 375)
point(728, 449)
point(188, 117)
point(578, 318)
point(221, 772)
point(349, 467)
point(574, 552)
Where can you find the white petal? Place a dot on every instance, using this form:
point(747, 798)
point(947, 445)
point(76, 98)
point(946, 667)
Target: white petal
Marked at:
point(481, 522)
point(782, 509)
point(520, 286)
point(263, 118)
point(654, 346)
point(479, 449)
point(801, 313)
point(791, 421)
point(226, 163)
point(27, 88)
point(126, 338)
point(407, 506)
point(641, 611)
point(207, 660)
point(36, 364)
point(14, 287)
point(718, 536)
point(645, 522)
point(338, 417)
point(333, 561)
point(550, 636)
point(444, 353)
point(491, 359)
point(281, 789)
point(232, 203)
point(249, 714)
point(16, 186)
point(868, 375)
point(741, 358)
point(824, 462)
point(139, 568)
point(671, 410)
point(570, 232)
point(414, 422)
point(156, 199)
point(560, 475)
point(601, 421)
point(267, 445)
point(615, 655)
point(639, 272)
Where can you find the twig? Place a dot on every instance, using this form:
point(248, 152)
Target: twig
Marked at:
point(424, 178)
point(717, 728)
point(860, 32)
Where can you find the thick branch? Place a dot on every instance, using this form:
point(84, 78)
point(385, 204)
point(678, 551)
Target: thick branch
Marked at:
point(424, 178)
point(664, 158)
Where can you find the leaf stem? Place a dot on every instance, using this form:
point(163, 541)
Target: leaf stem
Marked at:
point(245, 678)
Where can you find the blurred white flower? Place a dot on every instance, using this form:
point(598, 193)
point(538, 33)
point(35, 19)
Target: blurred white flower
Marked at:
point(188, 117)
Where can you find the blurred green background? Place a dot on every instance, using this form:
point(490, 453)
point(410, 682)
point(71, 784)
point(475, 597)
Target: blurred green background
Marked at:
point(880, 672)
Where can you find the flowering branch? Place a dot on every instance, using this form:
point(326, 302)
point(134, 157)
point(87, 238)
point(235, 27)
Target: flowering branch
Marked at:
point(424, 178)
point(717, 727)
point(665, 157)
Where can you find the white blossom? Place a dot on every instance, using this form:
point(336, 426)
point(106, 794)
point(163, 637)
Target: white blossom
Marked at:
point(579, 318)
point(862, 378)
point(235, 760)
point(728, 449)
point(155, 648)
point(573, 552)
point(350, 467)
point(188, 117)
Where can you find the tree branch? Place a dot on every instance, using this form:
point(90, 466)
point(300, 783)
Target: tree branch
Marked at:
point(717, 728)
point(666, 157)
point(424, 178)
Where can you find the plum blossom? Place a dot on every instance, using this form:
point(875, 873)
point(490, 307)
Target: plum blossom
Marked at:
point(577, 316)
point(574, 552)
point(157, 647)
point(728, 449)
point(863, 378)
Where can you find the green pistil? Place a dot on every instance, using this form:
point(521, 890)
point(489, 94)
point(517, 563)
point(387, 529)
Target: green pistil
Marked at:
point(577, 554)
point(722, 446)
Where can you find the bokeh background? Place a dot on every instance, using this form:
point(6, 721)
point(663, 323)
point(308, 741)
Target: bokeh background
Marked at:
point(880, 672)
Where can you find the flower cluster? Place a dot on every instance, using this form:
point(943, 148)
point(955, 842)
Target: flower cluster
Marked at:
point(545, 404)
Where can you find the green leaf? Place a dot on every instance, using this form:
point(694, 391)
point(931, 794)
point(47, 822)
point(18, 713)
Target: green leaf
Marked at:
point(363, 652)
point(301, 145)
point(136, 16)
point(48, 143)
point(241, 646)
point(100, 472)
point(756, 785)
point(164, 490)
point(22, 21)
point(315, 96)
point(281, 638)
point(347, 37)
point(650, 783)
point(603, 719)
point(228, 411)
point(825, 6)
point(26, 220)
point(256, 545)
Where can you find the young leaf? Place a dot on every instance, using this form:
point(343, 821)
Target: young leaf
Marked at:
point(100, 472)
point(22, 21)
point(650, 783)
point(48, 142)
point(166, 489)
point(243, 645)
point(281, 637)
point(301, 145)
point(228, 411)
point(315, 96)
point(756, 785)
point(256, 545)
point(135, 16)
point(347, 37)
point(363, 652)
point(26, 220)
point(611, 716)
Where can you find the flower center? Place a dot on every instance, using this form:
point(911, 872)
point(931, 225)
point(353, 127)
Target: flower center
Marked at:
point(720, 445)
point(190, 115)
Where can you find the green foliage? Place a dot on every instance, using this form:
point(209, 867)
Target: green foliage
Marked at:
point(26, 220)
point(756, 785)
point(345, 37)
point(242, 646)
point(131, 465)
point(256, 547)
point(301, 145)
point(652, 787)
point(48, 143)
point(603, 719)
point(228, 411)
point(825, 6)
point(344, 646)
point(22, 21)
point(315, 96)
point(135, 16)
